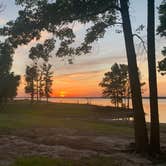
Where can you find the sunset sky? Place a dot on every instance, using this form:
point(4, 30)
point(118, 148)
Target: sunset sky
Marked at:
point(82, 77)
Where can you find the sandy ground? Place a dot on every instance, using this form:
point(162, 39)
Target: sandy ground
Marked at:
point(67, 143)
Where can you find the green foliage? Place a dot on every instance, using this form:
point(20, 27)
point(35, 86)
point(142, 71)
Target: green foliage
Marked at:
point(30, 77)
point(42, 50)
point(8, 81)
point(29, 2)
point(6, 52)
point(8, 86)
point(162, 17)
point(39, 80)
point(44, 161)
point(115, 83)
point(41, 161)
point(162, 63)
point(56, 17)
point(162, 31)
point(38, 77)
point(47, 77)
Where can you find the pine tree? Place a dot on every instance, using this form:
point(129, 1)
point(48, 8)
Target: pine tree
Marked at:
point(155, 129)
point(8, 80)
point(30, 77)
point(114, 84)
point(47, 76)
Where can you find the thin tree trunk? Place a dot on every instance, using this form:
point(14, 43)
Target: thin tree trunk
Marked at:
point(128, 98)
point(155, 131)
point(115, 104)
point(37, 89)
point(47, 99)
point(141, 136)
point(40, 86)
point(117, 100)
point(125, 101)
point(32, 94)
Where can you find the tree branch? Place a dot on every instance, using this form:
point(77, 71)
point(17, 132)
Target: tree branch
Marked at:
point(142, 41)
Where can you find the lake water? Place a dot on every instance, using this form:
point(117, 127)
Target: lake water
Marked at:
point(106, 102)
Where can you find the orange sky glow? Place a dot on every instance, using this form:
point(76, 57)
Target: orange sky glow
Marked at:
point(72, 85)
point(84, 85)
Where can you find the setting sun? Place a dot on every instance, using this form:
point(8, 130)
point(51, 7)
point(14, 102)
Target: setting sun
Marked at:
point(62, 94)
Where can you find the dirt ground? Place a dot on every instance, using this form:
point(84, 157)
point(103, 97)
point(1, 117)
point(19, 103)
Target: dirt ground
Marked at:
point(67, 143)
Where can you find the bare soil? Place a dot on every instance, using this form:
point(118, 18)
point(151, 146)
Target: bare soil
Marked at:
point(67, 143)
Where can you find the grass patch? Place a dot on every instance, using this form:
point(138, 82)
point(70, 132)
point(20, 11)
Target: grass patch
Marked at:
point(19, 116)
point(43, 161)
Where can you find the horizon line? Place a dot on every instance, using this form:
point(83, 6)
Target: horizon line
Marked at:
point(161, 97)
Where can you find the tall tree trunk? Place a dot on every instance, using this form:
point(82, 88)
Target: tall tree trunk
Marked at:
point(128, 97)
point(37, 89)
point(154, 132)
point(32, 94)
point(40, 85)
point(117, 100)
point(141, 136)
point(47, 99)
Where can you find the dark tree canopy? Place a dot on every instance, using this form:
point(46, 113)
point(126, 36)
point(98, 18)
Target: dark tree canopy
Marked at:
point(162, 63)
point(162, 31)
point(8, 86)
point(42, 50)
point(162, 17)
point(8, 81)
point(6, 52)
point(115, 82)
point(56, 16)
point(38, 76)
point(47, 74)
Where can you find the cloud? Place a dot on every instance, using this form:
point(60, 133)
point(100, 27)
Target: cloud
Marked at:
point(85, 64)
point(80, 77)
point(78, 74)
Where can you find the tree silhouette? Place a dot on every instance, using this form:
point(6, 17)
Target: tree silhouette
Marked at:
point(47, 77)
point(162, 31)
point(42, 51)
point(8, 80)
point(155, 131)
point(8, 87)
point(41, 84)
point(115, 83)
point(162, 63)
point(30, 77)
point(37, 74)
